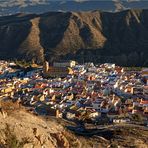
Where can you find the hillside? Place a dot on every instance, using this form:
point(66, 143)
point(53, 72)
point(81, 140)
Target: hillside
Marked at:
point(85, 36)
point(21, 129)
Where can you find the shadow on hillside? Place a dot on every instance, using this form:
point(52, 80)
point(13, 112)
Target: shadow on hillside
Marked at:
point(52, 27)
point(13, 34)
point(105, 133)
point(126, 34)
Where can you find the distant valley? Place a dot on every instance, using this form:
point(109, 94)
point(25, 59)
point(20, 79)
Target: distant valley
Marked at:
point(8, 7)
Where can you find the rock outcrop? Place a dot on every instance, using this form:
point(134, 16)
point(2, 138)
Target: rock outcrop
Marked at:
point(21, 129)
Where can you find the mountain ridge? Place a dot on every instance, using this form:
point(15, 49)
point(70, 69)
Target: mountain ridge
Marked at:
point(95, 36)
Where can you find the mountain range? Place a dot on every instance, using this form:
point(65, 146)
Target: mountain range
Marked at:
point(8, 7)
point(95, 36)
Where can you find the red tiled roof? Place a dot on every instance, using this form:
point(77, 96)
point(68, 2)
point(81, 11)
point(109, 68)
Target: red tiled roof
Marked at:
point(144, 102)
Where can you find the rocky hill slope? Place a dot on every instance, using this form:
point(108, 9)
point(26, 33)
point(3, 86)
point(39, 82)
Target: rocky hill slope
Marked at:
point(85, 36)
point(21, 129)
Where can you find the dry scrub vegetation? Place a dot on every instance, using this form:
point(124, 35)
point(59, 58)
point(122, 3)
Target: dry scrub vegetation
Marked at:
point(21, 129)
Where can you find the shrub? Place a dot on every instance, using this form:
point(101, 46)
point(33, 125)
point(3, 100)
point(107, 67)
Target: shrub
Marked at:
point(137, 117)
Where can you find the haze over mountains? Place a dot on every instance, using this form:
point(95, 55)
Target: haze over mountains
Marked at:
point(96, 36)
point(40, 6)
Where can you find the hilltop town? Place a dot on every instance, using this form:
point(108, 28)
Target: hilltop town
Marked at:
point(73, 74)
point(97, 94)
point(90, 96)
